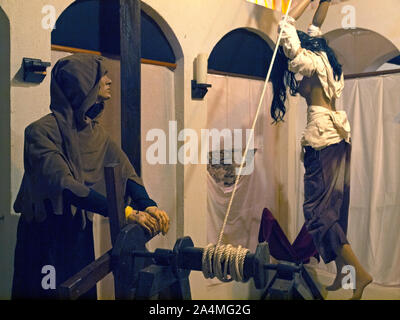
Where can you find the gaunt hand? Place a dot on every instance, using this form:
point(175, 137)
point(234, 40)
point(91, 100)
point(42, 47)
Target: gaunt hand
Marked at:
point(143, 219)
point(161, 217)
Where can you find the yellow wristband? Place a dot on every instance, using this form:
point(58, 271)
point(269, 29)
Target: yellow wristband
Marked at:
point(128, 211)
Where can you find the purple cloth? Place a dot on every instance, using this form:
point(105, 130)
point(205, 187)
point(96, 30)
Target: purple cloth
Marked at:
point(280, 248)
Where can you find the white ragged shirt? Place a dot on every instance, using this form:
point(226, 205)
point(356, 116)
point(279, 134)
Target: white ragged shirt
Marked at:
point(324, 127)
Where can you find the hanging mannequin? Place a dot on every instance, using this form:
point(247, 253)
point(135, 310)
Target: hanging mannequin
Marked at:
point(326, 139)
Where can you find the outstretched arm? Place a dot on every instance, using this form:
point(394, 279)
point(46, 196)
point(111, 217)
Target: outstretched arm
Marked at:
point(297, 11)
point(320, 14)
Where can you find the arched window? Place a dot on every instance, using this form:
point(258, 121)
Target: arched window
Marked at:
point(361, 50)
point(241, 52)
point(95, 25)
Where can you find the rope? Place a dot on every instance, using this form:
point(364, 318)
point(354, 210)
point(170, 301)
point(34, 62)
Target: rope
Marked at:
point(231, 258)
point(215, 256)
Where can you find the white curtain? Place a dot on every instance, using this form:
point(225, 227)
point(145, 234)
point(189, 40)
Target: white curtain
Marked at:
point(232, 104)
point(157, 109)
point(373, 109)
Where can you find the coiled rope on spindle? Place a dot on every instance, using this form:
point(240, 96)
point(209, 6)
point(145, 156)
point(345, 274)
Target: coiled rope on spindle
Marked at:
point(216, 256)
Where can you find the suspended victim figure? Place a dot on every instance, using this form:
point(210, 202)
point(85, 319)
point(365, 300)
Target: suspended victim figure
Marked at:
point(325, 141)
point(65, 153)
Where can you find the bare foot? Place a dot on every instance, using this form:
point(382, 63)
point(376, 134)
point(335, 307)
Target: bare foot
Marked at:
point(361, 283)
point(337, 283)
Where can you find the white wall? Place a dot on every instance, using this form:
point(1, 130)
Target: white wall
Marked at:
point(375, 39)
point(196, 26)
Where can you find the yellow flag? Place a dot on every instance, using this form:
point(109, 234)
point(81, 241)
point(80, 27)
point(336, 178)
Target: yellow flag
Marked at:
point(281, 5)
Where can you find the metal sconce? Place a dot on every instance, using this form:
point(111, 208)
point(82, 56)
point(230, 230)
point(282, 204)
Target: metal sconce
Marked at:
point(200, 85)
point(34, 69)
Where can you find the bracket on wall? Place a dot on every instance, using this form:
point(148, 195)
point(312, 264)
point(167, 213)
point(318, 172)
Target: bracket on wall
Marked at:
point(199, 90)
point(34, 69)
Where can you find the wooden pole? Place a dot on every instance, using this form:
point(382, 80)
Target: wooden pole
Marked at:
point(130, 33)
point(115, 200)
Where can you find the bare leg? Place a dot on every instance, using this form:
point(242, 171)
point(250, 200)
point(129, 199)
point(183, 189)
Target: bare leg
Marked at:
point(337, 283)
point(363, 278)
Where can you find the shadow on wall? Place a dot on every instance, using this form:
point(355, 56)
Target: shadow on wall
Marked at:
point(361, 50)
point(8, 222)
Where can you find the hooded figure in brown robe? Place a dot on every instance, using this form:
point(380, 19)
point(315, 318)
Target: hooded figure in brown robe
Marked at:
point(64, 157)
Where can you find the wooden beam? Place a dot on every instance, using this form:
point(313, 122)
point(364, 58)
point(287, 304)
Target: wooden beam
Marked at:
point(371, 74)
point(56, 47)
point(346, 77)
point(85, 279)
point(236, 75)
point(169, 65)
point(130, 34)
point(115, 200)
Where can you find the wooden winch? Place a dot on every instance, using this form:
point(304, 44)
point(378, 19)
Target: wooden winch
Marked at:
point(164, 274)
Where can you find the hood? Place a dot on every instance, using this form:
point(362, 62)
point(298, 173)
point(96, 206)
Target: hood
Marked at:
point(74, 87)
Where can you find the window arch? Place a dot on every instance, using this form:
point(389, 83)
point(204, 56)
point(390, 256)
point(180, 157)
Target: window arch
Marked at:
point(94, 25)
point(242, 52)
point(355, 52)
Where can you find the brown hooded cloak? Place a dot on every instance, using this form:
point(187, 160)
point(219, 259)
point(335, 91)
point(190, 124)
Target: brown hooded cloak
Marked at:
point(64, 150)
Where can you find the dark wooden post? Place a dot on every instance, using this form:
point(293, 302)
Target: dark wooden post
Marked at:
point(115, 200)
point(85, 279)
point(125, 239)
point(130, 34)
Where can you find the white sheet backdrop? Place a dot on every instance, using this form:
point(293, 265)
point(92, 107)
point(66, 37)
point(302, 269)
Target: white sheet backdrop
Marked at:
point(231, 104)
point(373, 109)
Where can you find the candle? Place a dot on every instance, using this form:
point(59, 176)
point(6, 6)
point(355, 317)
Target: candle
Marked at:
point(202, 68)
